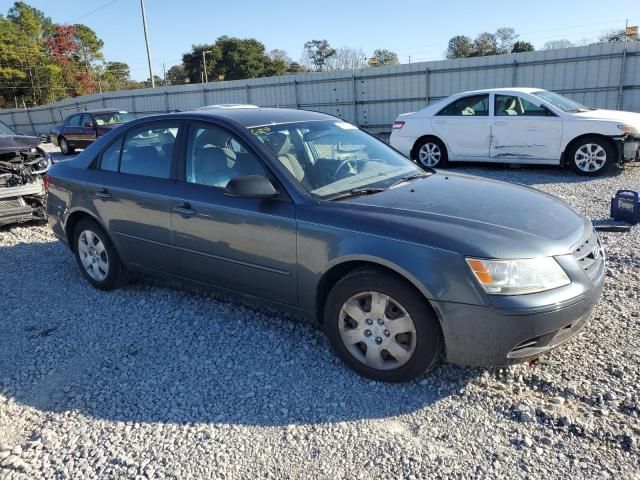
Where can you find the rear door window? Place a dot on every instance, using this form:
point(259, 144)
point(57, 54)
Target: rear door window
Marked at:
point(473, 105)
point(74, 121)
point(146, 150)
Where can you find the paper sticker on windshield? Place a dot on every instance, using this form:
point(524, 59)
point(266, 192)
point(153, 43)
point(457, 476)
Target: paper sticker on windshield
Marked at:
point(345, 126)
point(260, 130)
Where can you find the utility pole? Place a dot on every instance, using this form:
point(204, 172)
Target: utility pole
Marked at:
point(146, 41)
point(204, 65)
point(164, 74)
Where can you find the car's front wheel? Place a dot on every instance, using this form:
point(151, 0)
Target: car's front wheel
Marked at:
point(431, 153)
point(381, 327)
point(65, 148)
point(591, 156)
point(97, 257)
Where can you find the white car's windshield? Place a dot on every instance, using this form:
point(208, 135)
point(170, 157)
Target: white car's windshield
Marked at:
point(6, 130)
point(563, 103)
point(330, 158)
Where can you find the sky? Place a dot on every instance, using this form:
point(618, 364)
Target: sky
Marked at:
point(419, 29)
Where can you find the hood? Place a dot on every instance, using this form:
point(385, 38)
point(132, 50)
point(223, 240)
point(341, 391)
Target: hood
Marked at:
point(629, 118)
point(15, 143)
point(476, 216)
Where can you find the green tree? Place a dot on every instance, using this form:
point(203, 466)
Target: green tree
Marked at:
point(176, 75)
point(460, 46)
point(318, 53)
point(506, 38)
point(385, 57)
point(485, 44)
point(522, 46)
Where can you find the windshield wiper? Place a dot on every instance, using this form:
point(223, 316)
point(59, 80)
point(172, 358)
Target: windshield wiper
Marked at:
point(356, 192)
point(408, 178)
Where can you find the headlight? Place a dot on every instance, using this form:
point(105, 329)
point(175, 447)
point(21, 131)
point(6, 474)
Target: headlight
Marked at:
point(630, 129)
point(516, 277)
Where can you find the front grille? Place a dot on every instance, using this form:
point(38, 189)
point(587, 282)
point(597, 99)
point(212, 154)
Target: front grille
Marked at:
point(590, 255)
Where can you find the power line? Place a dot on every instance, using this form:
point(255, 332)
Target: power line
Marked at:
point(93, 11)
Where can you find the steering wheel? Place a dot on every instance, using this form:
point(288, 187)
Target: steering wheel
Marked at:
point(353, 168)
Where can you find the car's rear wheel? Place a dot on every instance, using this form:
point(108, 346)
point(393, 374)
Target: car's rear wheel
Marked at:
point(431, 153)
point(97, 257)
point(381, 327)
point(591, 156)
point(65, 148)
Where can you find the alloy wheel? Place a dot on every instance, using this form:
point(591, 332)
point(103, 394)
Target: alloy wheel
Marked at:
point(590, 157)
point(93, 255)
point(429, 154)
point(377, 330)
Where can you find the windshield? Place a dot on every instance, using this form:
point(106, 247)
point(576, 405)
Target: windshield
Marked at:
point(329, 158)
point(112, 118)
point(6, 130)
point(563, 103)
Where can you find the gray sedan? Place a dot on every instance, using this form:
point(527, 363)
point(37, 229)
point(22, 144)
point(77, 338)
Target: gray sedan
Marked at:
point(304, 212)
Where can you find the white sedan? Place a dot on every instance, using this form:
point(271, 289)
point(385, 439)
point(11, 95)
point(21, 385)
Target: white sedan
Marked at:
point(517, 125)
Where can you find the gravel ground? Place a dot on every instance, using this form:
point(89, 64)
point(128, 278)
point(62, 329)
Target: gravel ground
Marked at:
point(155, 382)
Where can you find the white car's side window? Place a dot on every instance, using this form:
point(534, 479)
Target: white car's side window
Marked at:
point(474, 105)
point(513, 105)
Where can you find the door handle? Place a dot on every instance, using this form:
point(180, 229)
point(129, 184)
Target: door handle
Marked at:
point(185, 210)
point(500, 123)
point(104, 193)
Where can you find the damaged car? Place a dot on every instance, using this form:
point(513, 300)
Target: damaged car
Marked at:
point(518, 125)
point(23, 165)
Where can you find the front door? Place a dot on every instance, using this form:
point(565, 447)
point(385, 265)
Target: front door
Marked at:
point(247, 245)
point(73, 130)
point(87, 130)
point(464, 126)
point(131, 193)
point(521, 130)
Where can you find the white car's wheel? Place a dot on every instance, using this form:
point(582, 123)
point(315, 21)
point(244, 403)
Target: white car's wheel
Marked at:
point(431, 153)
point(591, 156)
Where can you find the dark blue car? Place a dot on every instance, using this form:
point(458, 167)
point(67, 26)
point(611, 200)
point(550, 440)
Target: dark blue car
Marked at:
point(302, 211)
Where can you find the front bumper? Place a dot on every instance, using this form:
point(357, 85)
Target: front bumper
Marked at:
point(513, 329)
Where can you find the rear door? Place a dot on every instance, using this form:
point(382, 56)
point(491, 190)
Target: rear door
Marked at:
point(87, 130)
point(73, 130)
point(131, 191)
point(247, 245)
point(522, 130)
point(464, 126)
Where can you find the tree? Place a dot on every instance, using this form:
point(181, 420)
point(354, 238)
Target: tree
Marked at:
point(317, 53)
point(385, 57)
point(346, 58)
point(280, 55)
point(522, 46)
point(460, 46)
point(115, 76)
point(506, 38)
point(232, 58)
point(176, 75)
point(554, 44)
point(616, 36)
point(485, 44)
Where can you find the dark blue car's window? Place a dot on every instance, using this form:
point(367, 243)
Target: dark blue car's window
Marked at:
point(147, 150)
point(214, 157)
point(111, 157)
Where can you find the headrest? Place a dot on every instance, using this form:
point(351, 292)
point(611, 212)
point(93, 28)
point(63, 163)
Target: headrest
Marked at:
point(279, 143)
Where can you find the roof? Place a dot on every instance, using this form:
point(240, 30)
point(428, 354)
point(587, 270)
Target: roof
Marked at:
point(101, 110)
point(503, 89)
point(255, 117)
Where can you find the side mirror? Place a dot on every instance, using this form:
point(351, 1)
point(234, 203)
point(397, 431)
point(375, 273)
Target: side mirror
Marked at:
point(89, 125)
point(250, 186)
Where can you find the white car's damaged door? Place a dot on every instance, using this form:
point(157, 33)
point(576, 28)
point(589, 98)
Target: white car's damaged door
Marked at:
point(464, 127)
point(523, 131)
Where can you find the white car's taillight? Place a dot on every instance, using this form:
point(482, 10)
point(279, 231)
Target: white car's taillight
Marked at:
point(398, 124)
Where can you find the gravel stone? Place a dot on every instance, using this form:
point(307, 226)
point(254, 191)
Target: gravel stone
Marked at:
point(154, 381)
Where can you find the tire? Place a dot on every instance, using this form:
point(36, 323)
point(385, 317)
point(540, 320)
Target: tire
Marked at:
point(591, 155)
point(65, 148)
point(353, 334)
point(97, 257)
point(431, 153)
